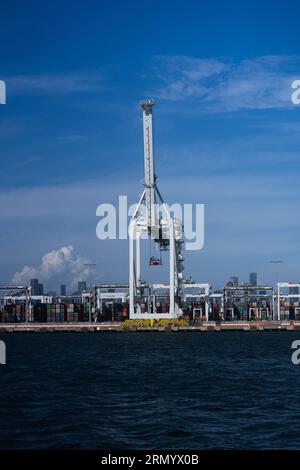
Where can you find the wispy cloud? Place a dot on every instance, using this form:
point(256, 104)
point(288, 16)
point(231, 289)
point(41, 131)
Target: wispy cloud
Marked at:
point(186, 77)
point(223, 85)
point(47, 84)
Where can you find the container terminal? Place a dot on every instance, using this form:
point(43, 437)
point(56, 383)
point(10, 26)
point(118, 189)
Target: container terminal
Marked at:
point(179, 304)
point(106, 307)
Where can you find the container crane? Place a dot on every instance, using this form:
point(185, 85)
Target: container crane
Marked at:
point(166, 231)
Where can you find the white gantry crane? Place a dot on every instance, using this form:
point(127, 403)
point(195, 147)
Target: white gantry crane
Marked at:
point(154, 219)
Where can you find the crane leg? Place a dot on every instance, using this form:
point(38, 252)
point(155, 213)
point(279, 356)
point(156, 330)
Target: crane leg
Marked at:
point(131, 271)
point(172, 271)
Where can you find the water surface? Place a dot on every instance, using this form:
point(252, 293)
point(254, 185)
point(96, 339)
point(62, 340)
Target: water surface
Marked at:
point(232, 390)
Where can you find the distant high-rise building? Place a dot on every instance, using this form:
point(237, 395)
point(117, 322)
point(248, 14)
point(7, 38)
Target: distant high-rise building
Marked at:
point(233, 282)
point(294, 290)
point(63, 290)
point(253, 279)
point(34, 283)
point(40, 289)
point(81, 287)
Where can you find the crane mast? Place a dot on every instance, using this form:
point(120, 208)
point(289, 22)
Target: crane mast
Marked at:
point(166, 231)
point(149, 177)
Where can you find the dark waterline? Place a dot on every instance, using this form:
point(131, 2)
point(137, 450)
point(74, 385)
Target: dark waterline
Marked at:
point(150, 391)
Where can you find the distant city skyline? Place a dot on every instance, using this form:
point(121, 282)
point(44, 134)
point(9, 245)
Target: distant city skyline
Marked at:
point(38, 289)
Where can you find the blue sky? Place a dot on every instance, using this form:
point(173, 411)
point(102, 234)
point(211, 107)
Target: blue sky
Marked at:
point(226, 132)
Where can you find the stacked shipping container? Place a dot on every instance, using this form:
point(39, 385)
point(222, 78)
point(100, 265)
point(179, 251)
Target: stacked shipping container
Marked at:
point(45, 313)
point(13, 314)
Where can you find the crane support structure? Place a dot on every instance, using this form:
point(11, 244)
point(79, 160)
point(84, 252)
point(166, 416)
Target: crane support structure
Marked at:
point(154, 219)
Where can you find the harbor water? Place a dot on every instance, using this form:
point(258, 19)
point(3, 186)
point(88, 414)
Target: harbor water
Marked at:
point(146, 390)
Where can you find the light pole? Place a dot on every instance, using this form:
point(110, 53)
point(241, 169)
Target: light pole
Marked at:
point(89, 266)
point(276, 262)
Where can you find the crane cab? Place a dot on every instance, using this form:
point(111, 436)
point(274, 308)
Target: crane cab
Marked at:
point(154, 261)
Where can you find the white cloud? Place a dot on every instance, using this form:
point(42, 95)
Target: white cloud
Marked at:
point(23, 277)
point(59, 265)
point(224, 86)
